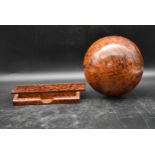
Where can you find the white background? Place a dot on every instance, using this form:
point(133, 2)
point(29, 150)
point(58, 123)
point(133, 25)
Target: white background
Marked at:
point(77, 12)
point(77, 142)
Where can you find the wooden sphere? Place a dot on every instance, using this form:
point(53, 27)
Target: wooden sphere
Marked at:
point(113, 65)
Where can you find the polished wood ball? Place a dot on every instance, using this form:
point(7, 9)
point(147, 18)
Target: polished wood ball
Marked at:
point(113, 65)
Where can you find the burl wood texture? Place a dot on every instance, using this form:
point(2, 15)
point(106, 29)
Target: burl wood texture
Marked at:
point(48, 88)
point(47, 94)
point(113, 65)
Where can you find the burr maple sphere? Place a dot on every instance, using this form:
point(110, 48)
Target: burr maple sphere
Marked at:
point(113, 65)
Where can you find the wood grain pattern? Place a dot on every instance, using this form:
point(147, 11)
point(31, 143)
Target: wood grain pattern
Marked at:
point(113, 65)
point(47, 94)
point(48, 88)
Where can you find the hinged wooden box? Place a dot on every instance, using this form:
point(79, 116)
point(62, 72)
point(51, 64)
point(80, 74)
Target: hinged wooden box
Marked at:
point(47, 93)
